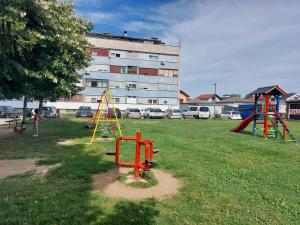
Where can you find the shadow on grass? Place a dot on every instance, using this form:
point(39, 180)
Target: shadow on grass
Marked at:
point(126, 212)
point(64, 195)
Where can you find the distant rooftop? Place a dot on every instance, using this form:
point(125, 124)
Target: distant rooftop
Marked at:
point(275, 89)
point(207, 96)
point(124, 37)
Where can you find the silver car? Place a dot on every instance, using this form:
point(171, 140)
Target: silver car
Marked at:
point(154, 113)
point(173, 114)
point(133, 113)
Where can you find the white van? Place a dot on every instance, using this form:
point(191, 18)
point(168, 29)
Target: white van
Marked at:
point(197, 112)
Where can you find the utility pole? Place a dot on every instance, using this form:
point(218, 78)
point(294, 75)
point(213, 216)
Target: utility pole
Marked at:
point(215, 84)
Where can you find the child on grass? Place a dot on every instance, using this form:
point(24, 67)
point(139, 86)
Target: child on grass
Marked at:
point(36, 122)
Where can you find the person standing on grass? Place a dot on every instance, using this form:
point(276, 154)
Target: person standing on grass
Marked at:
point(36, 122)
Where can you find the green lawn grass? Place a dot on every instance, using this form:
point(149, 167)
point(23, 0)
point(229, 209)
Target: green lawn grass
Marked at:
point(228, 178)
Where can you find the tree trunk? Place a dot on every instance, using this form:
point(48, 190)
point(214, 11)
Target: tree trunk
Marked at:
point(41, 101)
point(24, 110)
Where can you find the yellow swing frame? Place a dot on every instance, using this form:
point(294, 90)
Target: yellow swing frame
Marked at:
point(106, 99)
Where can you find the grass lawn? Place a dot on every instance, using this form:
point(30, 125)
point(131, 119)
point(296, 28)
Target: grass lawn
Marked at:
point(228, 178)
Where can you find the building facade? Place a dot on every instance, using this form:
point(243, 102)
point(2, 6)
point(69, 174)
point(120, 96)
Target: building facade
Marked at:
point(140, 73)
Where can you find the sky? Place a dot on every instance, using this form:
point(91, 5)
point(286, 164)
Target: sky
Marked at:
point(239, 44)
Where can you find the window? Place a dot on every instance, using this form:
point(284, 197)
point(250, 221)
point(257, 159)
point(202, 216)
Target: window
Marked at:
point(115, 55)
point(153, 57)
point(122, 69)
point(116, 100)
point(131, 69)
point(165, 102)
point(152, 101)
point(204, 109)
point(168, 72)
point(94, 53)
point(94, 83)
point(193, 109)
point(94, 100)
point(132, 85)
point(131, 99)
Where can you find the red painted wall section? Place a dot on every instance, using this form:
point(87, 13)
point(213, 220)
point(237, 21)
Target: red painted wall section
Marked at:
point(147, 71)
point(100, 51)
point(114, 69)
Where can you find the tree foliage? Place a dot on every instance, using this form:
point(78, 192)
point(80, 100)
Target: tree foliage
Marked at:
point(43, 45)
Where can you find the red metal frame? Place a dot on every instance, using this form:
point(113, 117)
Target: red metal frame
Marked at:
point(138, 165)
point(266, 119)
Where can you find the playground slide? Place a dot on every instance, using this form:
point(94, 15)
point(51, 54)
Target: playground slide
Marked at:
point(243, 124)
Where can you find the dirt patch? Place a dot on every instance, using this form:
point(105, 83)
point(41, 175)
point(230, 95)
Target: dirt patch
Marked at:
point(20, 166)
point(6, 133)
point(107, 183)
point(65, 142)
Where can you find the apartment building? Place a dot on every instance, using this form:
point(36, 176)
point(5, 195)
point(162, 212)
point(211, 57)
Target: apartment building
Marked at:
point(140, 73)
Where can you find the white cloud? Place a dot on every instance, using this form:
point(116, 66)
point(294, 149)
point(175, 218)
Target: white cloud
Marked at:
point(241, 45)
point(100, 17)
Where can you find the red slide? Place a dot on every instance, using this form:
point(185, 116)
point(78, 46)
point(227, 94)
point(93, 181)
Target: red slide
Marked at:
point(243, 124)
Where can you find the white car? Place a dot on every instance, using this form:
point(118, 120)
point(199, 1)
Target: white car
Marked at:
point(134, 113)
point(232, 115)
point(154, 113)
point(197, 112)
point(173, 114)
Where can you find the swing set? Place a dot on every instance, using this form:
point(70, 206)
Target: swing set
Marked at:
point(103, 117)
point(111, 117)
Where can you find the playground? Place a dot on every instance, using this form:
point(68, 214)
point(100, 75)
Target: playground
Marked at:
point(225, 177)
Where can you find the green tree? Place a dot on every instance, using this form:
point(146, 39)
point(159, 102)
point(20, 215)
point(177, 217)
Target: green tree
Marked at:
point(49, 57)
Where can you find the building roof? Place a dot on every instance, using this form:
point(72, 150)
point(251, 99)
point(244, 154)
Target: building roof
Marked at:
point(236, 100)
point(184, 93)
point(207, 96)
point(197, 101)
point(285, 97)
point(269, 90)
point(124, 38)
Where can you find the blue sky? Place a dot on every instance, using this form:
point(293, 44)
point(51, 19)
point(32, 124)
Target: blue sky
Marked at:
point(240, 45)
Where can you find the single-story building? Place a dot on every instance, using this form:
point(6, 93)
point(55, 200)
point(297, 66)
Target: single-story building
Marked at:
point(183, 97)
point(209, 98)
point(293, 107)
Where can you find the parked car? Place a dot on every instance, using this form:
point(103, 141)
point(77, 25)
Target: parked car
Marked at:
point(50, 112)
point(154, 113)
point(133, 113)
point(142, 112)
point(9, 112)
point(173, 114)
point(4, 111)
point(112, 114)
point(14, 113)
point(84, 111)
point(232, 115)
point(197, 112)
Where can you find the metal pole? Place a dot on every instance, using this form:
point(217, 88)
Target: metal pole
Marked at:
point(215, 84)
point(137, 155)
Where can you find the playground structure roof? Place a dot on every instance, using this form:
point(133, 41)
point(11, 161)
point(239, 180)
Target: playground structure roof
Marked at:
point(273, 90)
